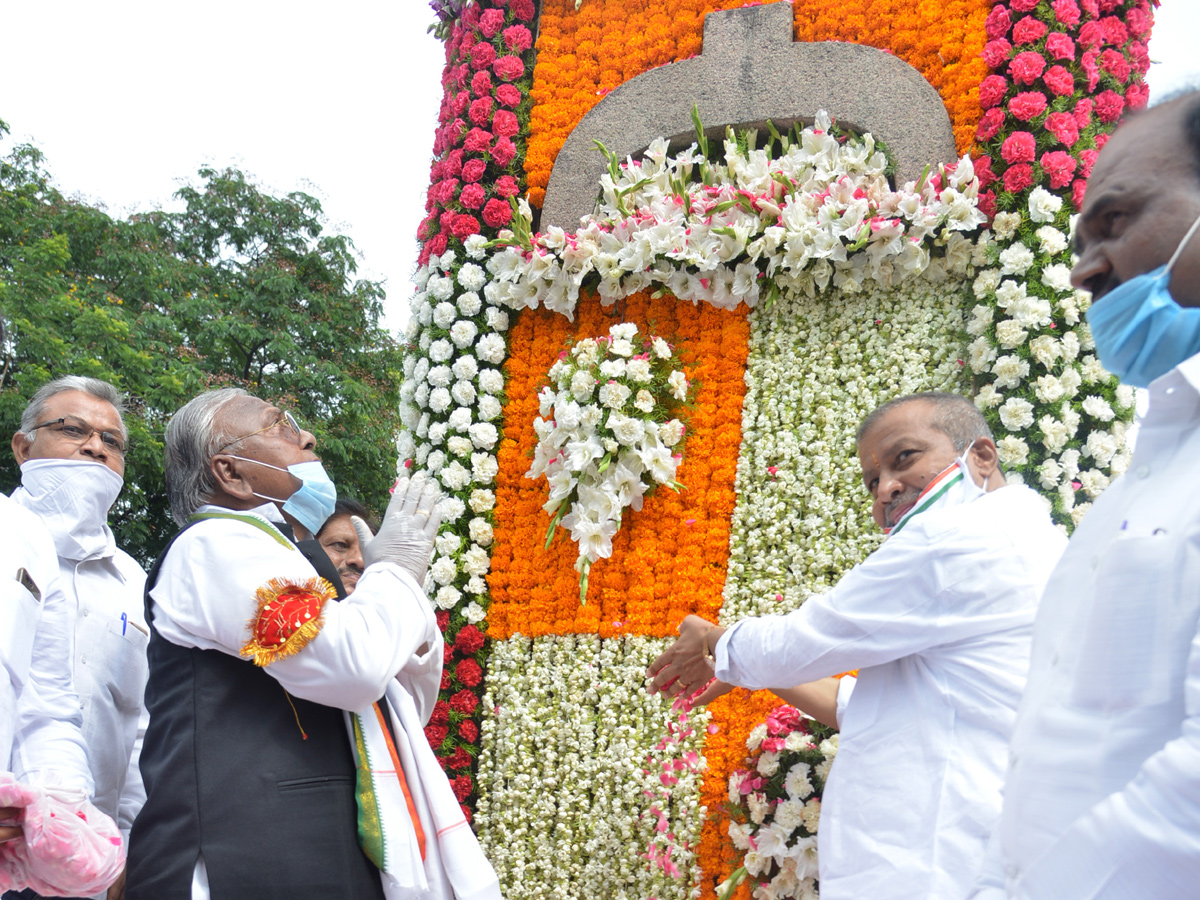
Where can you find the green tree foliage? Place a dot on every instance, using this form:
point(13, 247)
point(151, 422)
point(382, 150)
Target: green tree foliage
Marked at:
point(241, 288)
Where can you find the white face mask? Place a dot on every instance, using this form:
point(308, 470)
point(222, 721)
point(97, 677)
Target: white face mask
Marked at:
point(73, 497)
point(953, 486)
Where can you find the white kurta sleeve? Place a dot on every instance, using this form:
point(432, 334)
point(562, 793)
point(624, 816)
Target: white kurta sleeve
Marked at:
point(206, 597)
point(133, 794)
point(1142, 841)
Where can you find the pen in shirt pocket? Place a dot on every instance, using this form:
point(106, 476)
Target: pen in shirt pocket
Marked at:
point(126, 622)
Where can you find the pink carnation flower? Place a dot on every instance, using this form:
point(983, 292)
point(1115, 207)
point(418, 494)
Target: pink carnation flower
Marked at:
point(454, 162)
point(990, 124)
point(1028, 30)
point(1023, 5)
point(517, 38)
point(1109, 106)
point(507, 186)
point(490, 22)
point(482, 56)
point(1091, 7)
point(1018, 147)
point(497, 213)
point(1087, 159)
point(464, 226)
point(472, 196)
point(477, 141)
point(1027, 105)
point(1059, 167)
point(509, 68)
point(508, 95)
point(1083, 113)
point(481, 111)
point(1091, 35)
point(505, 124)
point(473, 170)
point(481, 84)
point(1078, 189)
point(1059, 46)
point(992, 90)
point(1067, 11)
point(1027, 67)
point(1139, 22)
point(987, 204)
point(1114, 63)
point(1137, 96)
point(996, 52)
point(437, 244)
point(1090, 69)
point(522, 9)
point(1018, 178)
point(983, 168)
point(997, 23)
point(504, 151)
point(1140, 55)
point(1115, 32)
point(1062, 126)
point(1060, 81)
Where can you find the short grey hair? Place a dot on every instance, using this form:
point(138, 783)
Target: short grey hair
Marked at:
point(36, 410)
point(953, 415)
point(192, 440)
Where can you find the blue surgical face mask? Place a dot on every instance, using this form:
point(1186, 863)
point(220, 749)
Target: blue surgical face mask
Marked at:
point(1139, 329)
point(313, 503)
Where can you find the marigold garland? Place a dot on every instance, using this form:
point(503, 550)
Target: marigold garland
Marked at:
point(583, 54)
point(669, 560)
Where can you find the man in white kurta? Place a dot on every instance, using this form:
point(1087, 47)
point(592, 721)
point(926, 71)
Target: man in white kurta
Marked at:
point(70, 479)
point(1102, 797)
point(938, 623)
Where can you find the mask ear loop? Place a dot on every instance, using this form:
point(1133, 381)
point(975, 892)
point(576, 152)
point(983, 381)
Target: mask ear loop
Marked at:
point(1182, 245)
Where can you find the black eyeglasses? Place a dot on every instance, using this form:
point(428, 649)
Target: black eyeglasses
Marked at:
point(77, 431)
point(285, 418)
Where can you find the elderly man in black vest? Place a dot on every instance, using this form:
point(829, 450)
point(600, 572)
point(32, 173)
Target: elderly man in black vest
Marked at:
point(278, 761)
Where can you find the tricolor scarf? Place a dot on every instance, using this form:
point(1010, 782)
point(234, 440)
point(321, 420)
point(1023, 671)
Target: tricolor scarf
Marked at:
point(952, 486)
point(409, 821)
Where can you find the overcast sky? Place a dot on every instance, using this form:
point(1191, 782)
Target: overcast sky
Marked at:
point(128, 98)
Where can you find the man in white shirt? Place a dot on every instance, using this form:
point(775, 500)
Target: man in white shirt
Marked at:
point(274, 767)
point(1102, 796)
point(937, 621)
point(71, 450)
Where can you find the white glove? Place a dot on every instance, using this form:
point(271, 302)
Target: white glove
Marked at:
point(409, 526)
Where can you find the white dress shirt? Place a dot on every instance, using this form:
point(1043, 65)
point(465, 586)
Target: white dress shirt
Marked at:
point(1102, 798)
point(39, 710)
point(205, 598)
point(938, 622)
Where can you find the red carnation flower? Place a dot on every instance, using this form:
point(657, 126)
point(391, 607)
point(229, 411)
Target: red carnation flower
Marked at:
point(436, 735)
point(1100, 140)
point(1083, 113)
point(464, 701)
point(1140, 55)
point(490, 22)
point(1018, 147)
point(477, 140)
point(1028, 30)
point(443, 192)
point(464, 226)
point(1091, 35)
point(446, 683)
point(1087, 159)
point(505, 124)
point(1060, 81)
point(517, 38)
point(482, 56)
point(472, 196)
point(1138, 22)
point(462, 786)
point(1062, 126)
point(1059, 46)
point(459, 759)
point(1067, 11)
point(1028, 104)
point(508, 95)
point(1023, 5)
point(470, 17)
point(997, 23)
point(462, 100)
point(1059, 166)
point(454, 164)
point(992, 90)
point(996, 52)
point(1027, 67)
point(1078, 189)
point(504, 151)
point(506, 186)
point(469, 640)
point(522, 9)
point(1115, 31)
point(1091, 7)
point(987, 203)
point(437, 244)
point(1107, 6)
point(443, 616)
point(1090, 69)
point(990, 124)
point(466, 811)
point(473, 170)
point(1109, 106)
point(441, 711)
point(481, 84)
point(468, 731)
point(446, 219)
point(425, 229)
point(423, 256)
point(481, 111)
point(983, 169)
point(509, 68)
point(1137, 96)
point(469, 671)
point(1114, 63)
point(1018, 178)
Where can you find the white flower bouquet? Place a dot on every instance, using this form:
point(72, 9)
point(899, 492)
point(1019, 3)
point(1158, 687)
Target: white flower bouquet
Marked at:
point(606, 436)
point(776, 805)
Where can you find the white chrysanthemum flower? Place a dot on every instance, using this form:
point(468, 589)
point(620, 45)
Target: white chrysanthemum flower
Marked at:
point(440, 376)
point(1091, 369)
point(621, 347)
point(1016, 414)
point(1079, 512)
point(812, 815)
point(755, 738)
point(476, 585)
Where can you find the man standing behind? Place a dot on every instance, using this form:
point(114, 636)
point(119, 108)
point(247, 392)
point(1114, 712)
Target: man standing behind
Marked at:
point(339, 540)
point(938, 622)
point(71, 449)
point(1102, 798)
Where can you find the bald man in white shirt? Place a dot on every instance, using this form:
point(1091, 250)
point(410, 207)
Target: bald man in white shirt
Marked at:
point(938, 623)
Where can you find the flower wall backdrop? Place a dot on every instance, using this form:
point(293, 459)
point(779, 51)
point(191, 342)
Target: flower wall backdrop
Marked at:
point(785, 353)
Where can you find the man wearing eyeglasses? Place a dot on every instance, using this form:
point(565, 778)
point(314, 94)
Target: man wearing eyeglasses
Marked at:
point(71, 449)
point(285, 757)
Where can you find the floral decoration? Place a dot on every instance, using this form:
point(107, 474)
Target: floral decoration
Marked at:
point(610, 441)
point(1064, 72)
point(818, 212)
point(776, 804)
point(585, 53)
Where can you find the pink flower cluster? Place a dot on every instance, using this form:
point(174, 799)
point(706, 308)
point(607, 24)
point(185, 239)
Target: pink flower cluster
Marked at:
point(1064, 73)
point(476, 167)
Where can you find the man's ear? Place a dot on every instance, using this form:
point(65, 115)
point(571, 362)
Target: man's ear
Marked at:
point(229, 480)
point(20, 447)
point(984, 460)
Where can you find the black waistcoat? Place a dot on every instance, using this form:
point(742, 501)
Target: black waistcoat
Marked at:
point(228, 775)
